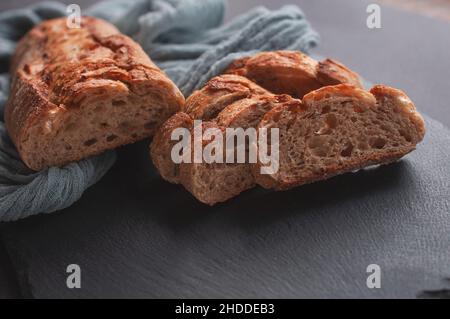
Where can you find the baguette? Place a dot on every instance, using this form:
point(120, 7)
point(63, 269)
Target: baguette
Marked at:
point(77, 92)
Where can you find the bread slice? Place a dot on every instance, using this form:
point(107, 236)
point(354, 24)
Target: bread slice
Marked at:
point(292, 72)
point(218, 182)
point(161, 147)
point(212, 183)
point(77, 92)
point(338, 129)
point(215, 182)
point(219, 92)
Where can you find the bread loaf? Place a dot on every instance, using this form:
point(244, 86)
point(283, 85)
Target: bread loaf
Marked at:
point(338, 129)
point(77, 92)
point(327, 124)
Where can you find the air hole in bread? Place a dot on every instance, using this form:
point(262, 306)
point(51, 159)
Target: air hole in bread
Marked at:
point(27, 69)
point(118, 103)
point(405, 135)
point(90, 142)
point(377, 142)
point(347, 151)
point(111, 138)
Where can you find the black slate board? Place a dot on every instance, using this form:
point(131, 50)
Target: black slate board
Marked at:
point(134, 235)
point(312, 246)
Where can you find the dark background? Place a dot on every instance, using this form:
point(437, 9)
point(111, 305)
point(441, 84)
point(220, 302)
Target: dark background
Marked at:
point(410, 52)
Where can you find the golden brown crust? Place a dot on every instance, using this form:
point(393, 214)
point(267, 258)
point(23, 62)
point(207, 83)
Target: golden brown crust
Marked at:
point(219, 92)
point(59, 68)
point(247, 112)
point(332, 72)
point(339, 91)
point(292, 72)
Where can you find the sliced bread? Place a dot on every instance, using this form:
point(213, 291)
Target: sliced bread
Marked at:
point(218, 182)
point(338, 129)
point(162, 145)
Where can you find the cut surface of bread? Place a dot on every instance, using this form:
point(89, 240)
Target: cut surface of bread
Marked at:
point(218, 182)
point(292, 72)
point(212, 183)
point(77, 92)
point(161, 147)
point(338, 129)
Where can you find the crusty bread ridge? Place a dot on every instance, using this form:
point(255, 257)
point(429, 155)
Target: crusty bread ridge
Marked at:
point(77, 92)
point(217, 93)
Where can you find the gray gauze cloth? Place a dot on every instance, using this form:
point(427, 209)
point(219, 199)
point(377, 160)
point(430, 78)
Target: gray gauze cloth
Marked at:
point(186, 38)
